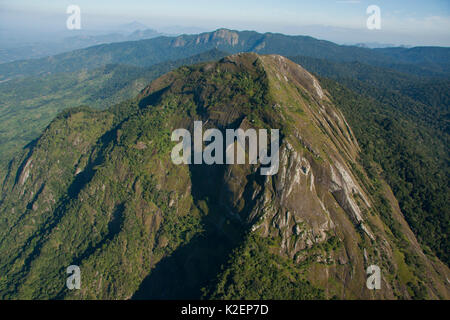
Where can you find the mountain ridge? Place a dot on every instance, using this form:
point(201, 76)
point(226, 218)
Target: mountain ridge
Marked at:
point(147, 52)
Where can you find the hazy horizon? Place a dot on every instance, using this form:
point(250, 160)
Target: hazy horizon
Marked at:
point(412, 23)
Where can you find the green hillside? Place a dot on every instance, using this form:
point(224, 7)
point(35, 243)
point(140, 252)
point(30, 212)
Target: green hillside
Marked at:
point(28, 105)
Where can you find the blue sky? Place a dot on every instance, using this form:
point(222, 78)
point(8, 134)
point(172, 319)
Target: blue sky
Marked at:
point(403, 21)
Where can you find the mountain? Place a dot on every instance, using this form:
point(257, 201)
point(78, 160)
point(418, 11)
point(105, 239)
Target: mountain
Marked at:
point(397, 103)
point(148, 52)
point(98, 189)
point(132, 27)
point(143, 34)
point(373, 45)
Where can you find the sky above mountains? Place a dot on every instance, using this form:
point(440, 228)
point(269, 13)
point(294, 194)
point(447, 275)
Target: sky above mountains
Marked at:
point(410, 22)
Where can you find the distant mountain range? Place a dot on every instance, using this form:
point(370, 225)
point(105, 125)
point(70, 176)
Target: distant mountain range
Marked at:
point(129, 32)
point(426, 60)
point(375, 45)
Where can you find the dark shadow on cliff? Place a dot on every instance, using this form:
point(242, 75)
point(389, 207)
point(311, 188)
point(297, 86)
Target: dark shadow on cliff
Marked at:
point(196, 265)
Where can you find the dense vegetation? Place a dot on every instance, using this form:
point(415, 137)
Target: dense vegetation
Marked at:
point(398, 114)
point(256, 273)
point(102, 183)
point(35, 101)
point(413, 158)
